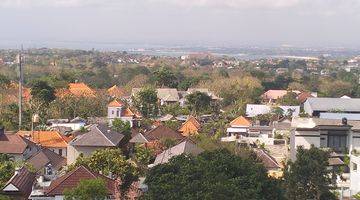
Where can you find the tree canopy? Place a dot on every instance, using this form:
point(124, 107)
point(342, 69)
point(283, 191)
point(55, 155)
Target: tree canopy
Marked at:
point(146, 102)
point(211, 175)
point(198, 102)
point(308, 177)
point(88, 189)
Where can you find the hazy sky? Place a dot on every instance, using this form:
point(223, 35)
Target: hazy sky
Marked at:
point(208, 22)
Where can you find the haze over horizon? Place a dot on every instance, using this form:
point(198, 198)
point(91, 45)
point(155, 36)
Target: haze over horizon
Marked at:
point(233, 23)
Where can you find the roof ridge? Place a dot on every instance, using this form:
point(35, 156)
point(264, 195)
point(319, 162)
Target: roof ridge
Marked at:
point(104, 135)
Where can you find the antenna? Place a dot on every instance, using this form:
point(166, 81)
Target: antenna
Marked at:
point(20, 86)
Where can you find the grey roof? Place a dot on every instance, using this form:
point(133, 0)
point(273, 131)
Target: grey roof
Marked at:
point(165, 94)
point(44, 157)
point(98, 136)
point(185, 147)
point(328, 104)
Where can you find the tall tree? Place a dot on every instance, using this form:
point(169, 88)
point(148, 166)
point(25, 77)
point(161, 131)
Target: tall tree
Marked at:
point(146, 102)
point(43, 92)
point(122, 127)
point(211, 175)
point(198, 102)
point(308, 177)
point(164, 77)
point(87, 189)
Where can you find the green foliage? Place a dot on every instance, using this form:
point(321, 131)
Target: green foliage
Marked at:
point(164, 77)
point(172, 124)
point(43, 92)
point(4, 80)
point(87, 189)
point(146, 102)
point(122, 127)
point(198, 102)
point(206, 177)
point(289, 99)
point(7, 169)
point(357, 196)
point(308, 177)
point(167, 142)
point(143, 155)
point(3, 197)
point(110, 161)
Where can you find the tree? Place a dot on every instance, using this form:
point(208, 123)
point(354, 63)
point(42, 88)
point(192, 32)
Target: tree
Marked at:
point(122, 127)
point(198, 102)
point(165, 78)
point(42, 92)
point(7, 169)
point(4, 80)
point(308, 177)
point(206, 177)
point(143, 155)
point(146, 102)
point(110, 162)
point(289, 99)
point(87, 189)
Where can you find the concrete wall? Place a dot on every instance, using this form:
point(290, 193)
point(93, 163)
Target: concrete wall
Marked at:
point(354, 174)
point(307, 108)
point(114, 112)
point(74, 152)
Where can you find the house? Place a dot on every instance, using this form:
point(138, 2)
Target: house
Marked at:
point(46, 162)
point(116, 92)
point(270, 163)
point(19, 148)
point(20, 185)
point(186, 147)
point(155, 136)
point(314, 106)
point(273, 95)
point(303, 96)
point(238, 126)
point(253, 110)
point(52, 140)
point(338, 135)
point(118, 110)
point(75, 124)
point(204, 90)
point(99, 136)
point(55, 191)
point(190, 127)
point(165, 95)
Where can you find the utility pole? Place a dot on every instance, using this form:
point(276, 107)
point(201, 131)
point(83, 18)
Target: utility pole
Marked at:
point(20, 86)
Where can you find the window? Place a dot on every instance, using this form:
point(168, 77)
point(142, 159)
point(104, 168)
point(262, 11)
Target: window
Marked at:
point(112, 112)
point(60, 152)
point(354, 166)
point(337, 142)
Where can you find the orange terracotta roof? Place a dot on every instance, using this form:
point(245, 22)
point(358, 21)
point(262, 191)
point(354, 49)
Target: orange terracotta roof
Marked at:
point(115, 91)
point(190, 127)
point(49, 139)
point(116, 103)
point(240, 121)
point(302, 97)
point(127, 113)
point(81, 89)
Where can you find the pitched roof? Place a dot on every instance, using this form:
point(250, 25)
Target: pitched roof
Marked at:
point(240, 121)
point(13, 144)
point(158, 133)
point(190, 126)
point(23, 180)
point(204, 90)
point(161, 132)
point(49, 139)
point(115, 103)
point(73, 178)
point(302, 97)
point(115, 91)
point(98, 136)
point(186, 147)
point(81, 89)
point(44, 157)
point(329, 104)
point(268, 161)
point(165, 94)
point(274, 94)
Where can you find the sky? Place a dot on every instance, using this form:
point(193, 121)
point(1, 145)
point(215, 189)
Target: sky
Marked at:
point(234, 23)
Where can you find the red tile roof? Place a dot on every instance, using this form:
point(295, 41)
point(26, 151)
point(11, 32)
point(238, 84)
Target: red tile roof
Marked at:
point(13, 144)
point(72, 179)
point(302, 97)
point(81, 89)
point(115, 103)
point(274, 94)
point(162, 132)
point(115, 91)
point(49, 139)
point(23, 181)
point(190, 126)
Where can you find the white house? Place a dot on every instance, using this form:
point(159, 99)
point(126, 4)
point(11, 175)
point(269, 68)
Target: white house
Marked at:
point(316, 106)
point(75, 124)
point(118, 110)
point(253, 110)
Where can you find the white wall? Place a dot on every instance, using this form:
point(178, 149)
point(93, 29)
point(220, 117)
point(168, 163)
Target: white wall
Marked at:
point(354, 174)
point(74, 152)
